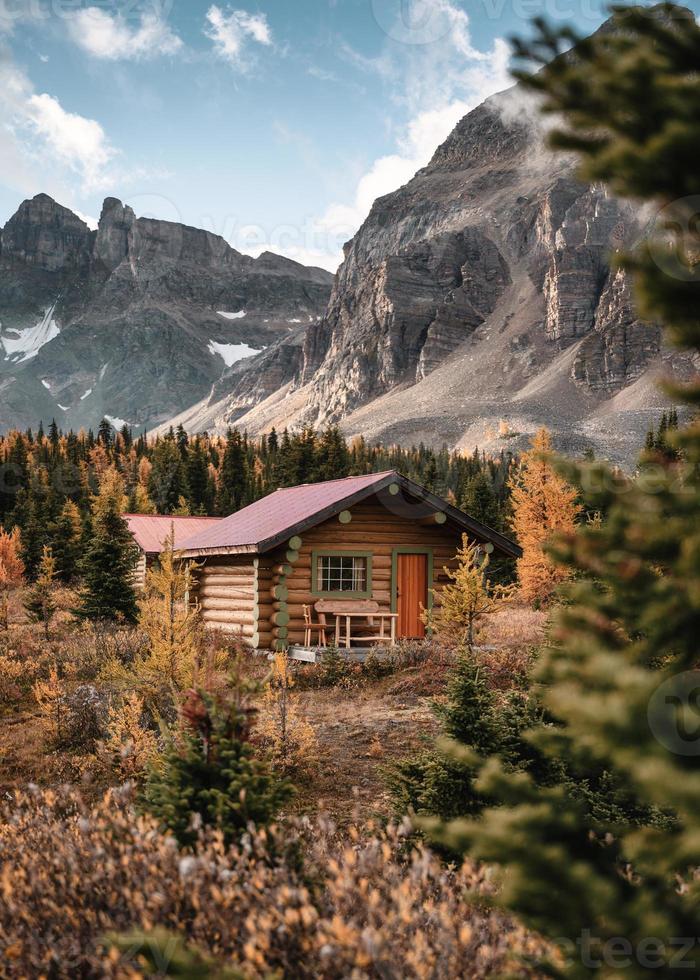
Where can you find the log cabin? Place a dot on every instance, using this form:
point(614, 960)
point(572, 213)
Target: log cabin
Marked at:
point(378, 537)
point(149, 532)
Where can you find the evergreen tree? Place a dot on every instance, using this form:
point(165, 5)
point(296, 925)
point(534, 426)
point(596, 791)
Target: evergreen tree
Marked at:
point(39, 601)
point(66, 541)
point(110, 558)
point(198, 480)
point(167, 480)
point(233, 475)
point(480, 501)
point(620, 675)
point(479, 721)
point(209, 771)
point(105, 433)
point(333, 455)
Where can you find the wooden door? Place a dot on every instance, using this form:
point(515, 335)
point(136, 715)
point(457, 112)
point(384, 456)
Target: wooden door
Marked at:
point(411, 594)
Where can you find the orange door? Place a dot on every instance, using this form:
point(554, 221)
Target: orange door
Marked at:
point(411, 594)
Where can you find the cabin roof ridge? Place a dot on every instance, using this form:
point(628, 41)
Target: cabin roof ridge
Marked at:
point(265, 524)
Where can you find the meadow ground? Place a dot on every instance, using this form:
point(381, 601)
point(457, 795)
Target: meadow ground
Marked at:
point(362, 723)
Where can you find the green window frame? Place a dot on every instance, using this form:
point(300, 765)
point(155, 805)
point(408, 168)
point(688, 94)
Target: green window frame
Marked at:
point(316, 583)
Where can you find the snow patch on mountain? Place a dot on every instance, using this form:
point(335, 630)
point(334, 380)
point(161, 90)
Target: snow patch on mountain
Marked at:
point(116, 422)
point(22, 345)
point(232, 316)
point(232, 352)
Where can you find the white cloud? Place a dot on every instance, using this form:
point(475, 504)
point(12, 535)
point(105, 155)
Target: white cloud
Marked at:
point(77, 142)
point(232, 31)
point(110, 37)
point(46, 147)
point(433, 85)
point(432, 80)
point(91, 222)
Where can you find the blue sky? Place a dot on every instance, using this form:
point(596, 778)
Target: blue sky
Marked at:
point(272, 123)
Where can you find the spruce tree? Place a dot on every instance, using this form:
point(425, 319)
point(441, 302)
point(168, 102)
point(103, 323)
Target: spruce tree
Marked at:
point(66, 536)
point(233, 476)
point(480, 502)
point(198, 480)
point(620, 674)
point(209, 772)
point(107, 567)
point(477, 717)
point(333, 456)
point(167, 481)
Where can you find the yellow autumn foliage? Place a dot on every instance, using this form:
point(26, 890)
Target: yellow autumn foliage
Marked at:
point(174, 659)
point(469, 596)
point(544, 504)
point(131, 747)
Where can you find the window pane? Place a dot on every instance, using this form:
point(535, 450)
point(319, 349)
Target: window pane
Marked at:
point(341, 573)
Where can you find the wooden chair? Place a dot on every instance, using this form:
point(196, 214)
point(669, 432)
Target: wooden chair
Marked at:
point(309, 626)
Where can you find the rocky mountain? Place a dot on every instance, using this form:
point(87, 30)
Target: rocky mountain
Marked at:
point(473, 305)
point(136, 320)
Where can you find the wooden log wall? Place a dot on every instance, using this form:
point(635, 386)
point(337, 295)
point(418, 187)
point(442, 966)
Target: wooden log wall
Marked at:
point(226, 591)
point(139, 573)
point(370, 527)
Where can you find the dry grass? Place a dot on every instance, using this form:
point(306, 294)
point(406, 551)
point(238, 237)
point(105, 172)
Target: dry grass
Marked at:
point(515, 627)
point(360, 726)
point(358, 732)
point(359, 904)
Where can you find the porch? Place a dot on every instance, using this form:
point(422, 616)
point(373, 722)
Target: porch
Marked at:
point(316, 655)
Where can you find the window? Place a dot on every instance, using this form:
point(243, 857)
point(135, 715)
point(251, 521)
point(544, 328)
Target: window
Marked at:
point(349, 573)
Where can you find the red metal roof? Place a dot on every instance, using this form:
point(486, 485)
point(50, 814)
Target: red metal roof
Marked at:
point(271, 521)
point(276, 516)
point(151, 530)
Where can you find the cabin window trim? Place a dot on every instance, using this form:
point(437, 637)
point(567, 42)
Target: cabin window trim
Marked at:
point(319, 593)
point(411, 550)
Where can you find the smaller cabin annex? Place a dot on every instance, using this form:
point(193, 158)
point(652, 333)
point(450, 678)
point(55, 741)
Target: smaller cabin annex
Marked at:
point(150, 531)
point(378, 537)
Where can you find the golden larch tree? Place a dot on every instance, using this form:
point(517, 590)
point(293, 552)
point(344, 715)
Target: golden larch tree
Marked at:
point(40, 601)
point(11, 569)
point(544, 504)
point(469, 596)
point(173, 627)
point(131, 747)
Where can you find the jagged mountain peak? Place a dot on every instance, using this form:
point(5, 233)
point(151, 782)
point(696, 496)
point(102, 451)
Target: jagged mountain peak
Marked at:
point(474, 304)
point(134, 320)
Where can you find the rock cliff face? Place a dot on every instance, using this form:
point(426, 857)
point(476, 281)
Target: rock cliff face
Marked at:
point(432, 262)
point(135, 320)
point(480, 299)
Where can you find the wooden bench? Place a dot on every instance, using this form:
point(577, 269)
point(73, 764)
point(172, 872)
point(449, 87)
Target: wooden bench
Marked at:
point(363, 609)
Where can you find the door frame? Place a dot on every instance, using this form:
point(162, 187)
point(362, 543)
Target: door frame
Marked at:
point(410, 550)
